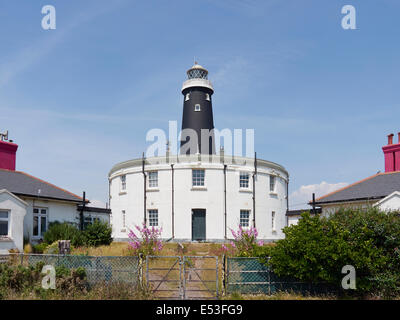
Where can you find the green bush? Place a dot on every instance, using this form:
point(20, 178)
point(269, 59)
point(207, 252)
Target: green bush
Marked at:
point(52, 248)
point(63, 231)
point(23, 280)
point(40, 248)
point(98, 233)
point(317, 248)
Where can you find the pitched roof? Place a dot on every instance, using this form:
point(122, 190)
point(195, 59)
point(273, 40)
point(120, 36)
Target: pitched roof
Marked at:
point(21, 183)
point(377, 186)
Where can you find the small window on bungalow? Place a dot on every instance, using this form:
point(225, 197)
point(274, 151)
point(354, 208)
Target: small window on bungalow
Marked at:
point(89, 220)
point(39, 221)
point(4, 216)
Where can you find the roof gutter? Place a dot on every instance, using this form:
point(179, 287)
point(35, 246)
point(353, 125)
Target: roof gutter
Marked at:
point(347, 200)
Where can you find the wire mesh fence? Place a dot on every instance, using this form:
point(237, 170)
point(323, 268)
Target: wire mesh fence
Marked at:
point(178, 277)
point(251, 276)
point(98, 269)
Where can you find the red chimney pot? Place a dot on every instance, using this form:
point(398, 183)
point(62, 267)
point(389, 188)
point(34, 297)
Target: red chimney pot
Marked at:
point(8, 153)
point(390, 139)
point(392, 154)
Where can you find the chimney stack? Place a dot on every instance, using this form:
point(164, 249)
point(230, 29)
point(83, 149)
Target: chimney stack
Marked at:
point(392, 154)
point(8, 151)
point(390, 139)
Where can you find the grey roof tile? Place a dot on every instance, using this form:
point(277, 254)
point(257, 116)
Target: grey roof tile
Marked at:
point(375, 187)
point(21, 183)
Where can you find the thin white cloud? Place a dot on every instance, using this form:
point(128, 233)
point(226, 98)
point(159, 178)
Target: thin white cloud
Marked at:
point(300, 197)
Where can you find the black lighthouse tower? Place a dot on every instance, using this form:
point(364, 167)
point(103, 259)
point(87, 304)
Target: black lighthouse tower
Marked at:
point(197, 91)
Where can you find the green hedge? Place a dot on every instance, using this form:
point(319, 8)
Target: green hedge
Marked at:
point(317, 248)
point(98, 233)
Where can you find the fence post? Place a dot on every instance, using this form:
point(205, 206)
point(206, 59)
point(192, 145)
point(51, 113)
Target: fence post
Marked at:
point(217, 278)
point(147, 272)
point(269, 278)
point(140, 270)
point(223, 275)
point(182, 276)
point(22, 259)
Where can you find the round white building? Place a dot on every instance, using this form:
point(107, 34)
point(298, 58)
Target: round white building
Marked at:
point(198, 195)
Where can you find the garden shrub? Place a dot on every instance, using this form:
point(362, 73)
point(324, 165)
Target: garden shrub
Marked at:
point(244, 243)
point(149, 242)
point(39, 248)
point(97, 234)
point(316, 249)
point(52, 248)
point(63, 231)
point(28, 248)
point(23, 280)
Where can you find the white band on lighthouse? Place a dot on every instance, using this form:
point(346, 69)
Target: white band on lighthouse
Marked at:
point(197, 83)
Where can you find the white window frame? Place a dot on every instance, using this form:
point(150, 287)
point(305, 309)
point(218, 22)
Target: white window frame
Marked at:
point(153, 181)
point(153, 217)
point(123, 182)
point(273, 221)
point(123, 213)
point(198, 180)
point(89, 220)
point(244, 219)
point(272, 187)
point(244, 180)
point(187, 96)
point(40, 215)
point(7, 220)
point(197, 107)
point(208, 97)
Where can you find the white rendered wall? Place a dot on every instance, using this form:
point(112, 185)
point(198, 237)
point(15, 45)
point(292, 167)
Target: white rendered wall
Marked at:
point(390, 203)
point(294, 220)
point(210, 198)
point(332, 208)
point(17, 212)
point(56, 211)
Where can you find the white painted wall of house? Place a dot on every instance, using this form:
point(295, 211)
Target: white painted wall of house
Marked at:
point(391, 202)
point(56, 211)
point(329, 209)
point(61, 211)
point(211, 198)
point(17, 211)
point(293, 220)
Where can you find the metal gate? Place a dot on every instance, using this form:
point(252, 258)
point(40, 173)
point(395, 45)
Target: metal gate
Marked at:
point(187, 277)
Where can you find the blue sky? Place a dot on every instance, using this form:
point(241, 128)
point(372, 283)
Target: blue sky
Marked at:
point(81, 98)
